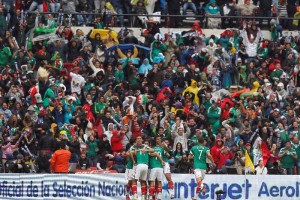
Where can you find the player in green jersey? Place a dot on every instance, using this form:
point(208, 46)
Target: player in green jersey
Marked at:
point(199, 153)
point(156, 172)
point(142, 153)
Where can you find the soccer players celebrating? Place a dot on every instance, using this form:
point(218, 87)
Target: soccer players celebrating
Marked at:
point(142, 153)
point(199, 153)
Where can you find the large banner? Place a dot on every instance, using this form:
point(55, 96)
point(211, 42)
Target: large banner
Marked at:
point(112, 186)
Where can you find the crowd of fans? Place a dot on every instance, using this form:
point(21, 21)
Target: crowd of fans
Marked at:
point(237, 90)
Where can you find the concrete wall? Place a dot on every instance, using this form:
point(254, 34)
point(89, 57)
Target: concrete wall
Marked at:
point(207, 32)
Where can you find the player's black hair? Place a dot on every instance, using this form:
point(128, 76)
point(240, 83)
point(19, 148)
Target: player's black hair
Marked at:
point(201, 140)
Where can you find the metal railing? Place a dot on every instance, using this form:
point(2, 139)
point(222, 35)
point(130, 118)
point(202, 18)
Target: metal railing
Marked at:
point(129, 17)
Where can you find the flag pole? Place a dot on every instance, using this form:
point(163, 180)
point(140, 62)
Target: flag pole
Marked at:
point(245, 177)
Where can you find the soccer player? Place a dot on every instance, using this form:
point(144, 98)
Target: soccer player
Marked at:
point(156, 166)
point(142, 153)
point(167, 170)
point(130, 169)
point(199, 153)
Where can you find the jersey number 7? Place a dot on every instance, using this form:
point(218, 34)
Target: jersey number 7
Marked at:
point(200, 153)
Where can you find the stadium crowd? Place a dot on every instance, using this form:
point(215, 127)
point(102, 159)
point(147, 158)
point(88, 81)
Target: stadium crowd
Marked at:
point(75, 91)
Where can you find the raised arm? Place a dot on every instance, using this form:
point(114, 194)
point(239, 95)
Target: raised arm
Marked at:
point(135, 52)
point(258, 36)
point(120, 53)
point(245, 37)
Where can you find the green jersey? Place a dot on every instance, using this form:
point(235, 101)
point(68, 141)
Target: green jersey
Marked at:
point(142, 157)
point(129, 164)
point(297, 149)
point(199, 152)
point(287, 161)
point(154, 161)
point(165, 158)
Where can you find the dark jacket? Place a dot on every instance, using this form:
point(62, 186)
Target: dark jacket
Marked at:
point(47, 142)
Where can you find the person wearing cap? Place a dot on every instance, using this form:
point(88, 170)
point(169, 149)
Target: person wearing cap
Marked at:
point(60, 160)
point(248, 148)
point(281, 91)
point(275, 115)
point(31, 112)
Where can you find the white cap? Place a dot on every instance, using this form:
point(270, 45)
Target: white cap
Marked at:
point(268, 84)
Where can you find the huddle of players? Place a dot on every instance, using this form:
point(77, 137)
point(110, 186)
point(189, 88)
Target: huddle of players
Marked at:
point(141, 157)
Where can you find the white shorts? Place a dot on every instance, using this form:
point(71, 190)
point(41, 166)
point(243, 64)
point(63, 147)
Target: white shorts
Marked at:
point(167, 169)
point(156, 174)
point(141, 172)
point(148, 174)
point(199, 173)
point(129, 175)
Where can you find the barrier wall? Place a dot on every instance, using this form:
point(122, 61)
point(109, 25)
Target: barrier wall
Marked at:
point(112, 186)
point(208, 32)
